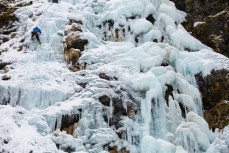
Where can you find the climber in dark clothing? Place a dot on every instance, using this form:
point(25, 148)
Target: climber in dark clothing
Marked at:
point(36, 32)
point(55, 1)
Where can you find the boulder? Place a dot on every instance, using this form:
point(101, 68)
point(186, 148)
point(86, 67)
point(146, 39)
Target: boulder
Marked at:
point(74, 41)
point(72, 36)
point(72, 55)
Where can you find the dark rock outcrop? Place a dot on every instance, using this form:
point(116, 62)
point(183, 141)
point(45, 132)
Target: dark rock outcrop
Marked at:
point(7, 26)
point(105, 100)
point(197, 10)
point(3, 64)
point(6, 77)
point(116, 150)
point(214, 90)
point(214, 32)
point(8, 19)
point(74, 41)
point(150, 18)
point(116, 108)
point(3, 8)
point(214, 15)
point(73, 44)
point(68, 123)
point(72, 36)
point(218, 116)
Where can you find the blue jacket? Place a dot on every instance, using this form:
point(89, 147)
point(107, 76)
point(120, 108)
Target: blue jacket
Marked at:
point(36, 29)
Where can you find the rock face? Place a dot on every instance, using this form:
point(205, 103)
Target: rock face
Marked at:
point(214, 15)
point(218, 116)
point(8, 19)
point(211, 30)
point(214, 89)
point(72, 36)
point(214, 32)
point(73, 44)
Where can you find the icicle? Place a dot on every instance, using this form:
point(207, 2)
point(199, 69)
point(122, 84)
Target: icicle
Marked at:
point(174, 114)
point(186, 139)
point(146, 111)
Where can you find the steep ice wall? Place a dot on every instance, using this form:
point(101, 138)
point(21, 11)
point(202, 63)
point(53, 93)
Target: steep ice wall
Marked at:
point(135, 92)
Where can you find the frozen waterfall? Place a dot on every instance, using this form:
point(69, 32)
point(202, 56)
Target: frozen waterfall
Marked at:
point(137, 92)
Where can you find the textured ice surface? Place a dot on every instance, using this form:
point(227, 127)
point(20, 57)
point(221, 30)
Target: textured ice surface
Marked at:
point(42, 93)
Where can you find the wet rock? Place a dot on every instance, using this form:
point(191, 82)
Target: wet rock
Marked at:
point(6, 77)
point(68, 123)
point(3, 8)
point(7, 140)
point(115, 108)
point(74, 68)
point(213, 87)
point(20, 48)
point(214, 90)
point(75, 21)
point(168, 92)
point(217, 117)
point(68, 149)
point(105, 100)
point(118, 106)
point(180, 4)
point(109, 23)
point(74, 41)
point(115, 149)
point(6, 21)
point(198, 10)
point(71, 56)
point(3, 65)
point(183, 110)
point(73, 27)
point(104, 76)
point(72, 36)
point(150, 18)
point(70, 129)
point(111, 32)
point(118, 112)
point(6, 69)
point(83, 85)
point(164, 64)
point(214, 32)
point(131, 113)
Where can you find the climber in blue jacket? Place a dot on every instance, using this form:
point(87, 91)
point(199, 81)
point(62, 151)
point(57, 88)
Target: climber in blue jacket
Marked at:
point(36, 32)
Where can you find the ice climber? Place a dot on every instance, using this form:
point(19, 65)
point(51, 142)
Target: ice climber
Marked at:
point(36, 32)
